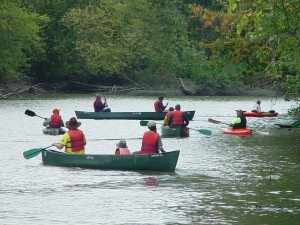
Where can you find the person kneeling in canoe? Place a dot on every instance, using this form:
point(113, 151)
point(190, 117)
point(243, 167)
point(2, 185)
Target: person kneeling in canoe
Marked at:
point(151, 142)
point(178, 118)
point(55, 121)
point(240, 121)
point(73, 140)
point(122, 148)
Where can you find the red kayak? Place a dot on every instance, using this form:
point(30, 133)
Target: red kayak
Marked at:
point(240, 131)
point(261, 114)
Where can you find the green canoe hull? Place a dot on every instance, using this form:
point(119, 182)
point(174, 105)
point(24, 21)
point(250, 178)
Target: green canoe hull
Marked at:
point(53, 131)
point(126, 115)
point(174, 132)
point(163, 162)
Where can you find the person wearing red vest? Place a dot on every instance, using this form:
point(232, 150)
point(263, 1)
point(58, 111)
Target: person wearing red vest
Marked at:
point(122, 148)
point(151, 142)
point(74, 140)
point(159, 106)
point(55, 121)
point(178, 118)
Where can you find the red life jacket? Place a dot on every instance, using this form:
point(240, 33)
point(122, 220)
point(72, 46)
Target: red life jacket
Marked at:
point(77, 140)
point(55, 121)
point(122, 151)
point(149, 143)
point(156, 106)
point(177, 118)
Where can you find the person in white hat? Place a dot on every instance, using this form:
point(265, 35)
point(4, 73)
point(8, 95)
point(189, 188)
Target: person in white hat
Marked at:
point(151, 142)
point(240, 121)
point(55, 120)
point(74, 140)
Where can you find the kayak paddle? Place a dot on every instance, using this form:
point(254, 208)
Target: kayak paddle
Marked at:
point(202, 131)
point(31, 113)
point(219, 122)
point(33, 152)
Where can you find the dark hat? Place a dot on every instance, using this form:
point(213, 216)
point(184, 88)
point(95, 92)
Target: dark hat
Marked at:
point(73, 123)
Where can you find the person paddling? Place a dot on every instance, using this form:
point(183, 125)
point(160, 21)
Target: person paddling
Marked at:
point(74, 140)
point(55, 120)
point(100, 106)
point(159, 106)
point(240, 121)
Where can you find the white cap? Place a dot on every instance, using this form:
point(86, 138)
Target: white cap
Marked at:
point(151, 123)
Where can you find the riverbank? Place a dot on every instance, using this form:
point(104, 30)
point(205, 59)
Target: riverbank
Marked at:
point(141, 90)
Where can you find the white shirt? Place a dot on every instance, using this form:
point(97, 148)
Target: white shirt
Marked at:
point(257, 108)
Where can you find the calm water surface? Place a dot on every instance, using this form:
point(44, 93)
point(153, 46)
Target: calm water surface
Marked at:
point(219, 179)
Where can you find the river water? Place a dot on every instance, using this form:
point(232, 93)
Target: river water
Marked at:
point(219, 179)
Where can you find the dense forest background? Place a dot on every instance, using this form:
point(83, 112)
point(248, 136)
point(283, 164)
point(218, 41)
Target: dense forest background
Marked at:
point(216, 47)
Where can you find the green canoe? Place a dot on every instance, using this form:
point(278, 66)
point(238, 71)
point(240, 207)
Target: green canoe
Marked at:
point(163, 162)
point(174, 132)
point(126, 115)
point(53, 131)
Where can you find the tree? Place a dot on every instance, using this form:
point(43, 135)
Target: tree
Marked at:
point(264, 34)
point(20, 41)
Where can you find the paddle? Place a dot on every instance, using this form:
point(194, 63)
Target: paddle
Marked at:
point(145, 122)
point(219, 122)
point(202, 131)
point(33, 152)
point(31, 113)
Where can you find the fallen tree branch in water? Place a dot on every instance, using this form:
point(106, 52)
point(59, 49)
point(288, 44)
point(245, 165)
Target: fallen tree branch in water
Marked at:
point(6, 94)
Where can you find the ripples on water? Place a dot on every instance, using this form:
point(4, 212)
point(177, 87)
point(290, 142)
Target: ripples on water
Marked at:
point(219, 179)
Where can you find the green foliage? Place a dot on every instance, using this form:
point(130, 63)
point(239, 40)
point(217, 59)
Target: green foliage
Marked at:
point(20, 40)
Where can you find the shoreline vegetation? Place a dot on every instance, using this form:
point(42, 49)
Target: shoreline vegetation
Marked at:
point(21, 91)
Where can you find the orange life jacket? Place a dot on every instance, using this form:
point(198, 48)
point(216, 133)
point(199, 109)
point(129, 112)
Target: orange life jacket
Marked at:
point(77, 140)
point(177, 118)
point(156, 106)
point(55, 121)
point(122, 151)
point(149, 143)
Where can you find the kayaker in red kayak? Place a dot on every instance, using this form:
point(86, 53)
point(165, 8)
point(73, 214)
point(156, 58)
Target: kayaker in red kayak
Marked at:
point(240, 121)
point(256, 107)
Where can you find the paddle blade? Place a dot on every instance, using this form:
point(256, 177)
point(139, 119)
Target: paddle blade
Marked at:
point(32, 153)
point(144, 122)
point(205, 132)
point(29, 113)
point(213, 121)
